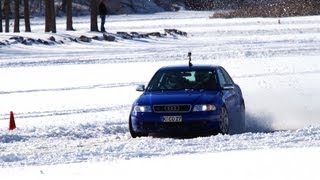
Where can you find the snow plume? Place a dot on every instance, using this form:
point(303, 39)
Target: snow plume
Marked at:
point(282, 96)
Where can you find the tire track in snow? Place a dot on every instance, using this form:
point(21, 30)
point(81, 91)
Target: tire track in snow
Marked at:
point(50, 149)
point(38, 114)
point(278, 74)
point(102, 86)
point(240, 48)
point(116, 85)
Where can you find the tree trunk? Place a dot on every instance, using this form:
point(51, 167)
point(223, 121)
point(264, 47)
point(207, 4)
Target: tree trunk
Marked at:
point(53, 17)
point(1, 30)
point(7, 14)
point(47, 16)
point(16, 16)
point(27, 16)
point(50, 16)
point(94, 15)
point(64, 6)
point(69, 15)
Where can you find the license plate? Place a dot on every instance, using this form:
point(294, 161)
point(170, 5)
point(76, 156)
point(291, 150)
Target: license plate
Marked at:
point(172, 118)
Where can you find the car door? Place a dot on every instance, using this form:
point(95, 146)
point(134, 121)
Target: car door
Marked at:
point(228, 90)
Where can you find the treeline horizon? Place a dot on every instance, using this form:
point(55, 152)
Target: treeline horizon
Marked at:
point(50, 9)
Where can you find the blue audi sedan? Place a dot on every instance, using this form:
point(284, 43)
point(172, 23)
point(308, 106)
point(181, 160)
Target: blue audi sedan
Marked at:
point(186, 100)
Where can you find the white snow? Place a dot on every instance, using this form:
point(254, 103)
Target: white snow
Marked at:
point(71, 101)
point(278, 164)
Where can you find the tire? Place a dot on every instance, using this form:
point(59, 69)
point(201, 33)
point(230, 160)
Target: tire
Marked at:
point(224, 123)
point(133, 133)
point(242, 127)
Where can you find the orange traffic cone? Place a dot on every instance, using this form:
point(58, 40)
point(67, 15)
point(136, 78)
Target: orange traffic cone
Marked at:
point(12, 124)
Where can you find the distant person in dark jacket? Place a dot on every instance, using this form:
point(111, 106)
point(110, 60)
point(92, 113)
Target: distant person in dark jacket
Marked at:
point(103, 12)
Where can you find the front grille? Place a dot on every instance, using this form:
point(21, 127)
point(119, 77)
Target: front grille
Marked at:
point(172, 108)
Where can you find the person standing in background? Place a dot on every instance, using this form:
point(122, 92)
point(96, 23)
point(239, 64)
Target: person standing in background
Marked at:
point(103, 13)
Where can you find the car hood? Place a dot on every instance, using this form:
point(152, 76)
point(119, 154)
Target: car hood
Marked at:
point(178, 97)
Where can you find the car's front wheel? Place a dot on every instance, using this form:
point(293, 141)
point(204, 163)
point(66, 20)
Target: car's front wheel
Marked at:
point(242, 118)
point(133, 133)
point(224, 121)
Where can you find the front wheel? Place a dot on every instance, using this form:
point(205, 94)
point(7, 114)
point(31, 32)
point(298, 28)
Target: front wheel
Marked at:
point(224, 121)
point(242, 118)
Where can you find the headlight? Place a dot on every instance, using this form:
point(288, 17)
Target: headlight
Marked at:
point(204, 107)
point(142, 109)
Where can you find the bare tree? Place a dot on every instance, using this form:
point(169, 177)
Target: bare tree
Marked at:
point(47, 16)
point(64, 6)
point(50, 16)
point(94, 15)
point(53, 17)
point(27, 16)
point(7, 14)
point(69, 15)
point(16, 16)
point(1, 30)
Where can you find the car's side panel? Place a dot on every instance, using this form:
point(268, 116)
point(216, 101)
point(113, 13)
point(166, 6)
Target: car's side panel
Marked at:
point(232, 97)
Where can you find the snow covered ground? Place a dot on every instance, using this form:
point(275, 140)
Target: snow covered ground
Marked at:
point(71, 102)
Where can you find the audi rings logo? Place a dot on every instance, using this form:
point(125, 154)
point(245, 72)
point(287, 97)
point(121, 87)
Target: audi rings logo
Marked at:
point(172, 108)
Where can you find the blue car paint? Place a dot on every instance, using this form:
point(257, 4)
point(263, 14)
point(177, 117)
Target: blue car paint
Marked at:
point(231, 99)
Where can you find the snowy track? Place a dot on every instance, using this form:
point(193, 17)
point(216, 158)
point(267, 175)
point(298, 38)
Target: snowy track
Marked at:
point(72, 101)
point(100, 142)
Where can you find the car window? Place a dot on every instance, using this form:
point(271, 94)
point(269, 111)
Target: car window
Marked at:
point(182, 80)
point(222, 80)
point(224, 77)
point(227, 77)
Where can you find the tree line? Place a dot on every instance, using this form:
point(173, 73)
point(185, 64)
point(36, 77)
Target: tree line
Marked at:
point(50, 14)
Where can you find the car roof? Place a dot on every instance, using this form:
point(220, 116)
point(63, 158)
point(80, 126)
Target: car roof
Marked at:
point(186, 67)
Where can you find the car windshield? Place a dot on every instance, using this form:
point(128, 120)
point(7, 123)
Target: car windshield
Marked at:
point(183, 80)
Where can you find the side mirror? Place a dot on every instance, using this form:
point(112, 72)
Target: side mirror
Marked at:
point(228, 87)
point(140, 88)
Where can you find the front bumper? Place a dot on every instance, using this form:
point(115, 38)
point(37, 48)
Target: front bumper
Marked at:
point(195, 122)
